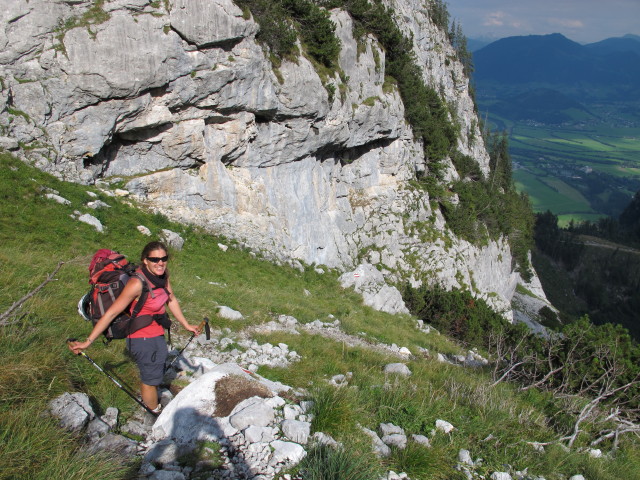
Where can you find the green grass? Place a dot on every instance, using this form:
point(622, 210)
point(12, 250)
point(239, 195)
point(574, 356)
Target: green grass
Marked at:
point(563, 220)
point(36, 233)
point(325, 463)
point(549, 193)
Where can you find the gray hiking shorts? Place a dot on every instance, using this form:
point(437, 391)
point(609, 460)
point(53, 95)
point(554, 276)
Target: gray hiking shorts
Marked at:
point(150, 355)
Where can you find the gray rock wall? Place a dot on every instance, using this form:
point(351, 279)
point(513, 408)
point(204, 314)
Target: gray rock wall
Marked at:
point(187, 103)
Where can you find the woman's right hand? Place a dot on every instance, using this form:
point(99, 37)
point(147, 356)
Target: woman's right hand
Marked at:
point(78, 347)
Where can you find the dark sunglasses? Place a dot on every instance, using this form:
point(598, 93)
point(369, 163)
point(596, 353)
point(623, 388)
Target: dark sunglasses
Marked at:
point(158, 259)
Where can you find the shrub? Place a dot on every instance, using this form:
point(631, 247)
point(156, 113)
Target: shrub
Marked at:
point(455, 313)
point(276, 29)
point(549, 316)
point(282, 21)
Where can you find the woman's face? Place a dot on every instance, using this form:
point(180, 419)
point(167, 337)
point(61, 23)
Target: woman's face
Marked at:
point(156, 261)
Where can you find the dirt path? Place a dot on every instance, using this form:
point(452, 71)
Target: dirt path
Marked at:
point(599, 243)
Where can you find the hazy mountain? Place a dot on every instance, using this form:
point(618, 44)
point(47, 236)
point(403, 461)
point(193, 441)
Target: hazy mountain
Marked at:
point(518, 64)
point(542, 105)
point(474, 44)
point(628, 43)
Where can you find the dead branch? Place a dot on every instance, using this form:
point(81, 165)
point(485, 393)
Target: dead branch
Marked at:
point(507, 372)
point(543, 380)
point(605, 393)
point(5, 316)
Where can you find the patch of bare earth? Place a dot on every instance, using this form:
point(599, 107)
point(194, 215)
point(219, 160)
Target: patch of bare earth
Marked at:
point(233, 389)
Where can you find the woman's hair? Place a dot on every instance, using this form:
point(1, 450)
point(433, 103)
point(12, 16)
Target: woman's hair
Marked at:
point(150, 247)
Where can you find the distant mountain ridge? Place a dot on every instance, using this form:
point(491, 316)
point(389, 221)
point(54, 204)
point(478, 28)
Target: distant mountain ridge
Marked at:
point(542, 105)
point(628, 43)
point(605, 70)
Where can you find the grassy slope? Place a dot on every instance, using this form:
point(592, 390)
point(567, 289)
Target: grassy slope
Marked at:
point(36, 233)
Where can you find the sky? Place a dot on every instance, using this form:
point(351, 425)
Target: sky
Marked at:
point(583, 21)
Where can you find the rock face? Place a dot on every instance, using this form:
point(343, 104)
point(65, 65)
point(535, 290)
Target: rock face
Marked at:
point(186, 102)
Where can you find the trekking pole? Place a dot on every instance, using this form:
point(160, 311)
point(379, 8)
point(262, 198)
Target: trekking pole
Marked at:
point(207, 332)
point(125, 390)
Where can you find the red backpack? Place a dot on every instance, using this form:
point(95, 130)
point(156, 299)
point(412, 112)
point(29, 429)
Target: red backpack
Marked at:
point(109, 272)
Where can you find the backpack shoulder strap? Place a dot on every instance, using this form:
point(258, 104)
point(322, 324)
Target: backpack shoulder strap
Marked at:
point(143, 295)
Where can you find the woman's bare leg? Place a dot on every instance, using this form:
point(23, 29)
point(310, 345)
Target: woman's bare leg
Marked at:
point(149, 395)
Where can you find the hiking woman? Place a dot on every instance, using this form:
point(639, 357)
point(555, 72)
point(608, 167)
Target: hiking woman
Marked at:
point(146, 345)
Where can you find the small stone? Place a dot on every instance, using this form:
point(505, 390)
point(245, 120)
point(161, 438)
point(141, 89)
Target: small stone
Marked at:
point(464, 457)
point(296, 431)
point(110, 417)
point(144, 230)
point(167, 475)
point(275, 402)
point(163, 453)
point(172, 239)
point(338, 380)
point(421, 439)
point(57, 198)
point(288, 452)
point(251, 412)
point(91, 220)
point(98, 204)
point(379, 447)
point(9, 143)
point(136, 428)
point(398, 369)
point(306, 405)
point(395, 440)
point(97, 428)
point(229, 313)
point(500, 476)
point(117, 444)
point(444, 426)
point(324, 439)
point(291, 412)
point(254, 434)
point(73, 410)
point(146, 469)
point(595, 453)
point(390, 429)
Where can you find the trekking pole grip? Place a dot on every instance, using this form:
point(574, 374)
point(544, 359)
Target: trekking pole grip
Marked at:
point(207, 329)
point(71, 339)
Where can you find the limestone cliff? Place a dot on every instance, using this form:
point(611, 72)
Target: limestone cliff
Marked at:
point(179, 97)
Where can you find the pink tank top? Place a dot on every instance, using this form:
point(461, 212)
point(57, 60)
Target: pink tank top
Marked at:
point(152, 306)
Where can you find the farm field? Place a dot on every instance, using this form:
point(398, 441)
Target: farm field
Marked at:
point(580, 171)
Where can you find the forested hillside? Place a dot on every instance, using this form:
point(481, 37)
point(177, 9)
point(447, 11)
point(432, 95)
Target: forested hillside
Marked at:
point(592, 267)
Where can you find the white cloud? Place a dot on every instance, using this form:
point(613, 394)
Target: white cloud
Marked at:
point(580, 20)
point(566, 22)
point(501, 19)
point(494, 19)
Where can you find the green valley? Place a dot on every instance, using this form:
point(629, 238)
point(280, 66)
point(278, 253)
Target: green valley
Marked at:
point(578, 170)
point(571, 115)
